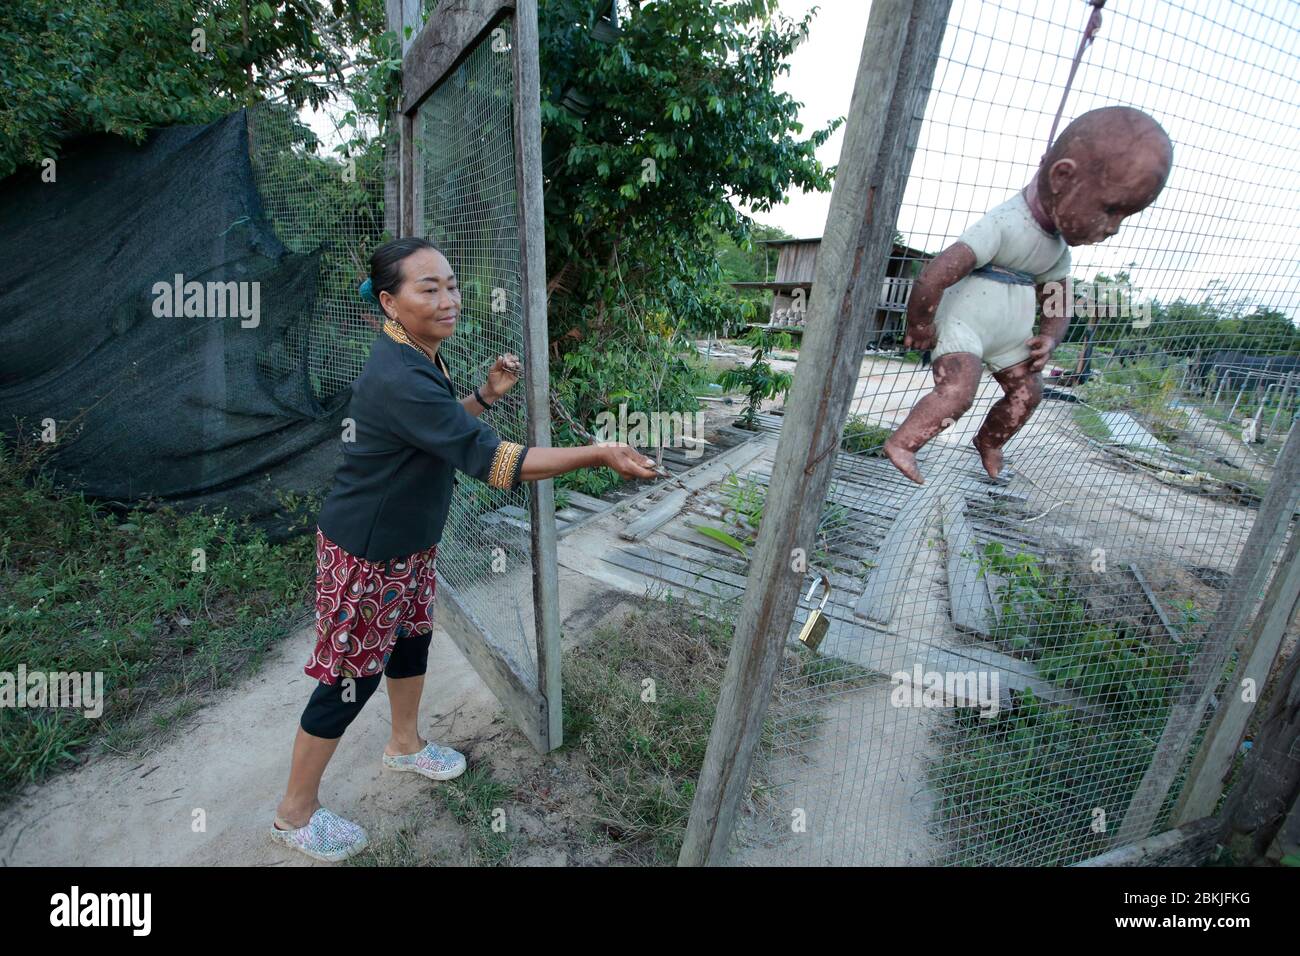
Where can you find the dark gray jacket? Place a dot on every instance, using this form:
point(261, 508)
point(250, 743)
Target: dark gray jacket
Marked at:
point(391, 495)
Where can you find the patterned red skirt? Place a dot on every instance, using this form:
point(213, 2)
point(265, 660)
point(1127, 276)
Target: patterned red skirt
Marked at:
point(363, 608)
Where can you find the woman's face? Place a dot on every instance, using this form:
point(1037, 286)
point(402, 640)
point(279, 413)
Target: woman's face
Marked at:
point(428, 301)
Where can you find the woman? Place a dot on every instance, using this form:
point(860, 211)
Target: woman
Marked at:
point(377, 535)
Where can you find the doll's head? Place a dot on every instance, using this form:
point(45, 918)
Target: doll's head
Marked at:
point(1105, 166)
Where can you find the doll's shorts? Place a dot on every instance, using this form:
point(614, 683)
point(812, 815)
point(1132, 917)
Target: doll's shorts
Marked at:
point(987, 318)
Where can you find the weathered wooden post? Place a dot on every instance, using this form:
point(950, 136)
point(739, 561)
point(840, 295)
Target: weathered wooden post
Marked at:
point(894, 73)
point(1205, 779)
point(1262, 813)
point(1267, 536)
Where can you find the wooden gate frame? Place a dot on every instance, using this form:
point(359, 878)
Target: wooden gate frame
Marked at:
point(430, 54)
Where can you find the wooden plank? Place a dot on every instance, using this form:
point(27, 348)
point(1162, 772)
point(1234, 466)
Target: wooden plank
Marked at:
point(971, 605)
point(658, 516)
point(587, 502)
point(703, 576)
point(505, 677)
point(688, 538)
point(1155, 604)
point(672, 574)
point(516, 517)
point(731, 460)
point(1188, 845)
point(895, 70)
point(687, 543)
point(878, 513)
point(452, 30)
point(702, 569)
point(1227, 728)
point(889, 580)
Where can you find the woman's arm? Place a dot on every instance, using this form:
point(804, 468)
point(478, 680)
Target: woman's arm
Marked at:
point(471, 403)
point(540, 463)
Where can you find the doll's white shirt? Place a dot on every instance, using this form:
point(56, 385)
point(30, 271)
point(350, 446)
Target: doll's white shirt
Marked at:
point(990, 318)
point(1008, 236)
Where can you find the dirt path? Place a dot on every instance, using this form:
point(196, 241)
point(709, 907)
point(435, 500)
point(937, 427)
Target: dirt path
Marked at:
point(207, 796)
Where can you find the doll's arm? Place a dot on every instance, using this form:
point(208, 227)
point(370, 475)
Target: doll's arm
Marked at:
point(1054, 306)
point(947, 268)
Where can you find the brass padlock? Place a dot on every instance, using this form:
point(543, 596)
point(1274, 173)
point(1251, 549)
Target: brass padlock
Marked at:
point(814, 629)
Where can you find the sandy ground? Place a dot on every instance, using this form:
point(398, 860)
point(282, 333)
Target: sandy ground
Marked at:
point(208, 795)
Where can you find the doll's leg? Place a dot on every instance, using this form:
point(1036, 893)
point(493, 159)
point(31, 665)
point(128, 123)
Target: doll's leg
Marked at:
point(1023, 390)
point(956, 378)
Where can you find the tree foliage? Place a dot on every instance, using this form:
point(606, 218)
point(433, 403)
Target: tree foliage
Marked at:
point(653, 134)
point(651, 139)
point(1183, 326)
point(122, 66)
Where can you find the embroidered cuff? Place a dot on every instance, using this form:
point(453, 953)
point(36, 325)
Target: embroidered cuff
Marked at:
point(507, 464)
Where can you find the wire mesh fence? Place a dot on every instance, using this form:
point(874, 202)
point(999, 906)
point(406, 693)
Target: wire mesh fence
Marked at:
point(465, 159)
point(327, 202)
point(1003, 655)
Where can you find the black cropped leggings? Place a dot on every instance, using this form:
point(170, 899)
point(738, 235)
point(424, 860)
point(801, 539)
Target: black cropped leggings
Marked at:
point(329, 711)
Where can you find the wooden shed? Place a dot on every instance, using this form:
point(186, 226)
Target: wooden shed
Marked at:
point(796, 267)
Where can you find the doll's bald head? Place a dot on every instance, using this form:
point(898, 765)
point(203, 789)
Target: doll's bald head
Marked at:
point(1105, 166)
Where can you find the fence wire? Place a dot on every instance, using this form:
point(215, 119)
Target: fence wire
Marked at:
point(319, 199)
point(1002, 692)
point(466, 162)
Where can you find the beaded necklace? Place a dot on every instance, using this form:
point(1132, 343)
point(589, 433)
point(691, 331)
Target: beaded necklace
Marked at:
point(395, 331)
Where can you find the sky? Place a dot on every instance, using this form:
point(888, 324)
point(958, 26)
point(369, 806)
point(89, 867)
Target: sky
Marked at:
point(1222, 77)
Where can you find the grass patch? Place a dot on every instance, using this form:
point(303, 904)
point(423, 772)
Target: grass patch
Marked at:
point(415, 841)
point(861, 437)
point(1090, 423)
point(1023, 787)
point(477, 802)
point(639, 701)
point(165, 606)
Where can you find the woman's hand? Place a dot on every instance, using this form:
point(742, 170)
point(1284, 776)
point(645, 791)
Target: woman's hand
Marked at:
point(627, 461)
point(502, 376)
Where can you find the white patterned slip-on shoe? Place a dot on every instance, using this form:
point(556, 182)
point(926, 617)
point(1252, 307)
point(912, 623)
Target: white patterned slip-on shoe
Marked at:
point(434, 762)
point(327, 836)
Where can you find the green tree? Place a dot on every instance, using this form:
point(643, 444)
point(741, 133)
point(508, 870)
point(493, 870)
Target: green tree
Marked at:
point(651, 136)
point(122, 66)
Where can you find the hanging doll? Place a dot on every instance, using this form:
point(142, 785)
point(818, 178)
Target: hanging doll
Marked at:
point(973, 305)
